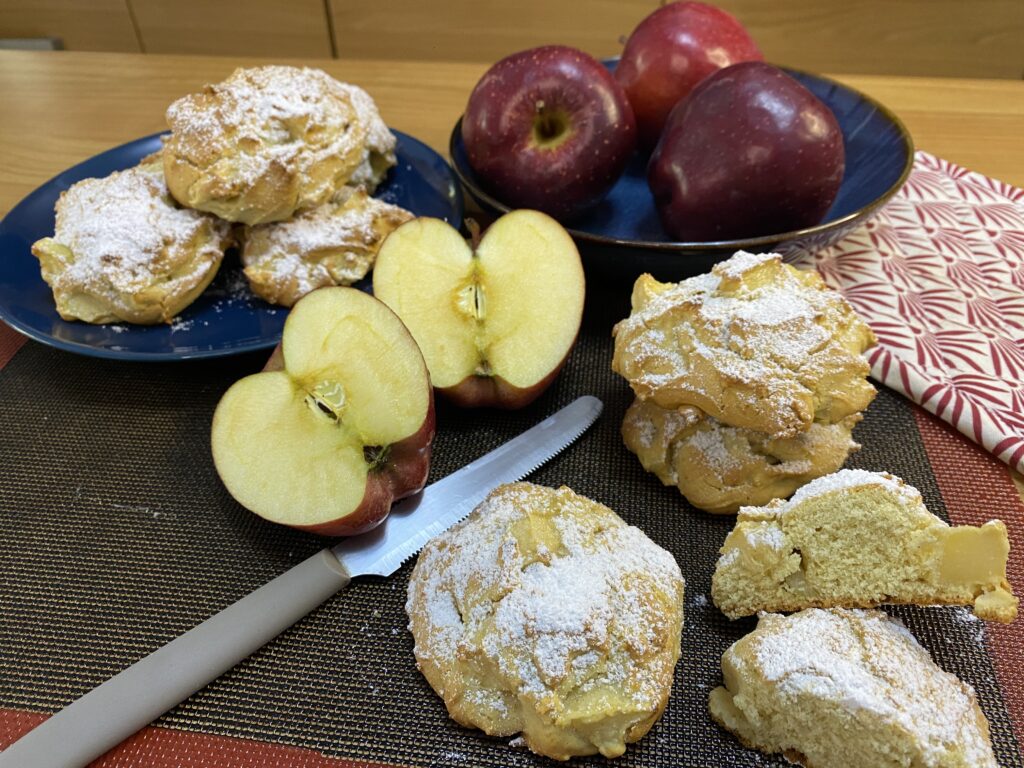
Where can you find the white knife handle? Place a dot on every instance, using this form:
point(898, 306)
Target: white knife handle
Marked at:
point(132, 699)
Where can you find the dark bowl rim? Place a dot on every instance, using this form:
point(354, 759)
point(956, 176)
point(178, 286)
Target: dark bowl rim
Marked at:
point(723, 245)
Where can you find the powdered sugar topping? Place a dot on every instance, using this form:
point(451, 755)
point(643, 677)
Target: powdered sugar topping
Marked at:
point(270, 116)
point(547, 619)
point(125, 233)
point(753, 322)
point(333, 244)
point(852, 478)
point(866, 661)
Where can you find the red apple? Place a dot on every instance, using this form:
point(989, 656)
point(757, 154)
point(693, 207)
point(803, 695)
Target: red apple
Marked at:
point(495, 319)
point(670, 52)
point(337, 426)
point(750, 152)
point(548, 129)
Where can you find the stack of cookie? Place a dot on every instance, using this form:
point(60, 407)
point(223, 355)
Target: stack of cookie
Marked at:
point(290, 153)
point(748, 380)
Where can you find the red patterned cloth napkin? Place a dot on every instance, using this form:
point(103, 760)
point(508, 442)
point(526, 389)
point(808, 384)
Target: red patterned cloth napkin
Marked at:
point(938, 274)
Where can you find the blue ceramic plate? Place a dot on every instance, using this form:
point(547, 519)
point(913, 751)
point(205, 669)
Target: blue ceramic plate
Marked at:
point(226, 319)
point(622, 234)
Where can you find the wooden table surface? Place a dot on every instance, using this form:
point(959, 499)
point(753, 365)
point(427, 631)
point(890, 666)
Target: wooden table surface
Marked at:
point(57, 109)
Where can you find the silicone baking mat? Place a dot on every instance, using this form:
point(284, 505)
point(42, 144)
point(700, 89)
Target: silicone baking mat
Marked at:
point(118, 536)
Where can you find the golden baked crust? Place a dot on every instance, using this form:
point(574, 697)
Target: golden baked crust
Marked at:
point(334, 244)
point(850, 688)
point(123, 250)
point(264, 143)
point(544, 613)
point(859, 539)
point(378, 149)
point(755, 344)
point(719, 468)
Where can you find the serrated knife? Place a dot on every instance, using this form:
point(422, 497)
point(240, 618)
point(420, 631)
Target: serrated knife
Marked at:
point(132, 699)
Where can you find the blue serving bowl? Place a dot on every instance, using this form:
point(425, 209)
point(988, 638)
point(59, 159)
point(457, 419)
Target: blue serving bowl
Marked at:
point(623, 237)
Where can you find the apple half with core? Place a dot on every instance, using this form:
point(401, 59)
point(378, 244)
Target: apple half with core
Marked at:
point(550, 129)
point(496, 320)
point(337, 427)
point(670, 52)
point(750, 152)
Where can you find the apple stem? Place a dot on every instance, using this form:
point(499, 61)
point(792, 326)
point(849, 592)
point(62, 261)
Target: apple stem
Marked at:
point(376, 455)
point(474, 234)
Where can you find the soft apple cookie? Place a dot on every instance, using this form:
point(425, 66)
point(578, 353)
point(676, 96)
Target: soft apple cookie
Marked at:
point(270, 141)
point(860, 539)
point(719, 468)
point(851, 688)
point(544, 613)
point(495, 318)
point(123, 250)
point(755, 344)
point(333, 244)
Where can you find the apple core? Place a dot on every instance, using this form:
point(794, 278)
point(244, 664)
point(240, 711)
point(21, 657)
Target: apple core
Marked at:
point(495, 318)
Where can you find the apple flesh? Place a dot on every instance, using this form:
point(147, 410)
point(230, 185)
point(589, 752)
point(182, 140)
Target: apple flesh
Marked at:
point(750, 152)
point(337, 427)
point(496, 323)
point(550, 129)
point(668, 55)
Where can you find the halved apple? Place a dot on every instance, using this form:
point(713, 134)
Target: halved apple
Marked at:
point(495, 322)
point(337, 427)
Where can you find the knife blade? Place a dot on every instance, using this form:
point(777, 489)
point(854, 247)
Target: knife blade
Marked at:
point(133, 698)
point(416, 520)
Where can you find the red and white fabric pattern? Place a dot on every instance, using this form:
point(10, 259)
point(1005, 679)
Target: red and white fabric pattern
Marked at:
point(938, 274)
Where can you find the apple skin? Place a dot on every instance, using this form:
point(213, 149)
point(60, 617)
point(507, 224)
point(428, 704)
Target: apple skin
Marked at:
point(495, 392)
point(402, 474)
point(549, 129)
point(670, 52)
point(750, 152)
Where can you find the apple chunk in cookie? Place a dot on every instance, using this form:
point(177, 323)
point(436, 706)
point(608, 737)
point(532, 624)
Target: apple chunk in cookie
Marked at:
point(338, 427)
point(495, 323)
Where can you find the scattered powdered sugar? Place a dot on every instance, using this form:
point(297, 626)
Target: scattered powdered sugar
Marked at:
point(966, 618)
point(646, 432)
point(866, 661)
point(765, 535)
point(711, 443)
point(540, 616)
point(742, 262)
point(728, 557)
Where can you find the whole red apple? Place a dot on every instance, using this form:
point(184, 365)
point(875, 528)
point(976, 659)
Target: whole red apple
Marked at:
point(549, 129)
point(670, 52)
point(750, 152)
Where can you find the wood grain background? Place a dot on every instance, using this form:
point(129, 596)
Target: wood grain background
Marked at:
point(959, 38)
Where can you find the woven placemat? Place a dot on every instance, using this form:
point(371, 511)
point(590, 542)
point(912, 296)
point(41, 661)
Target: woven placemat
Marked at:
point(118, 536)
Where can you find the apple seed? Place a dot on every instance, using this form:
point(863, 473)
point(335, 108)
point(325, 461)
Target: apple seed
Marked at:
point(328, 398)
